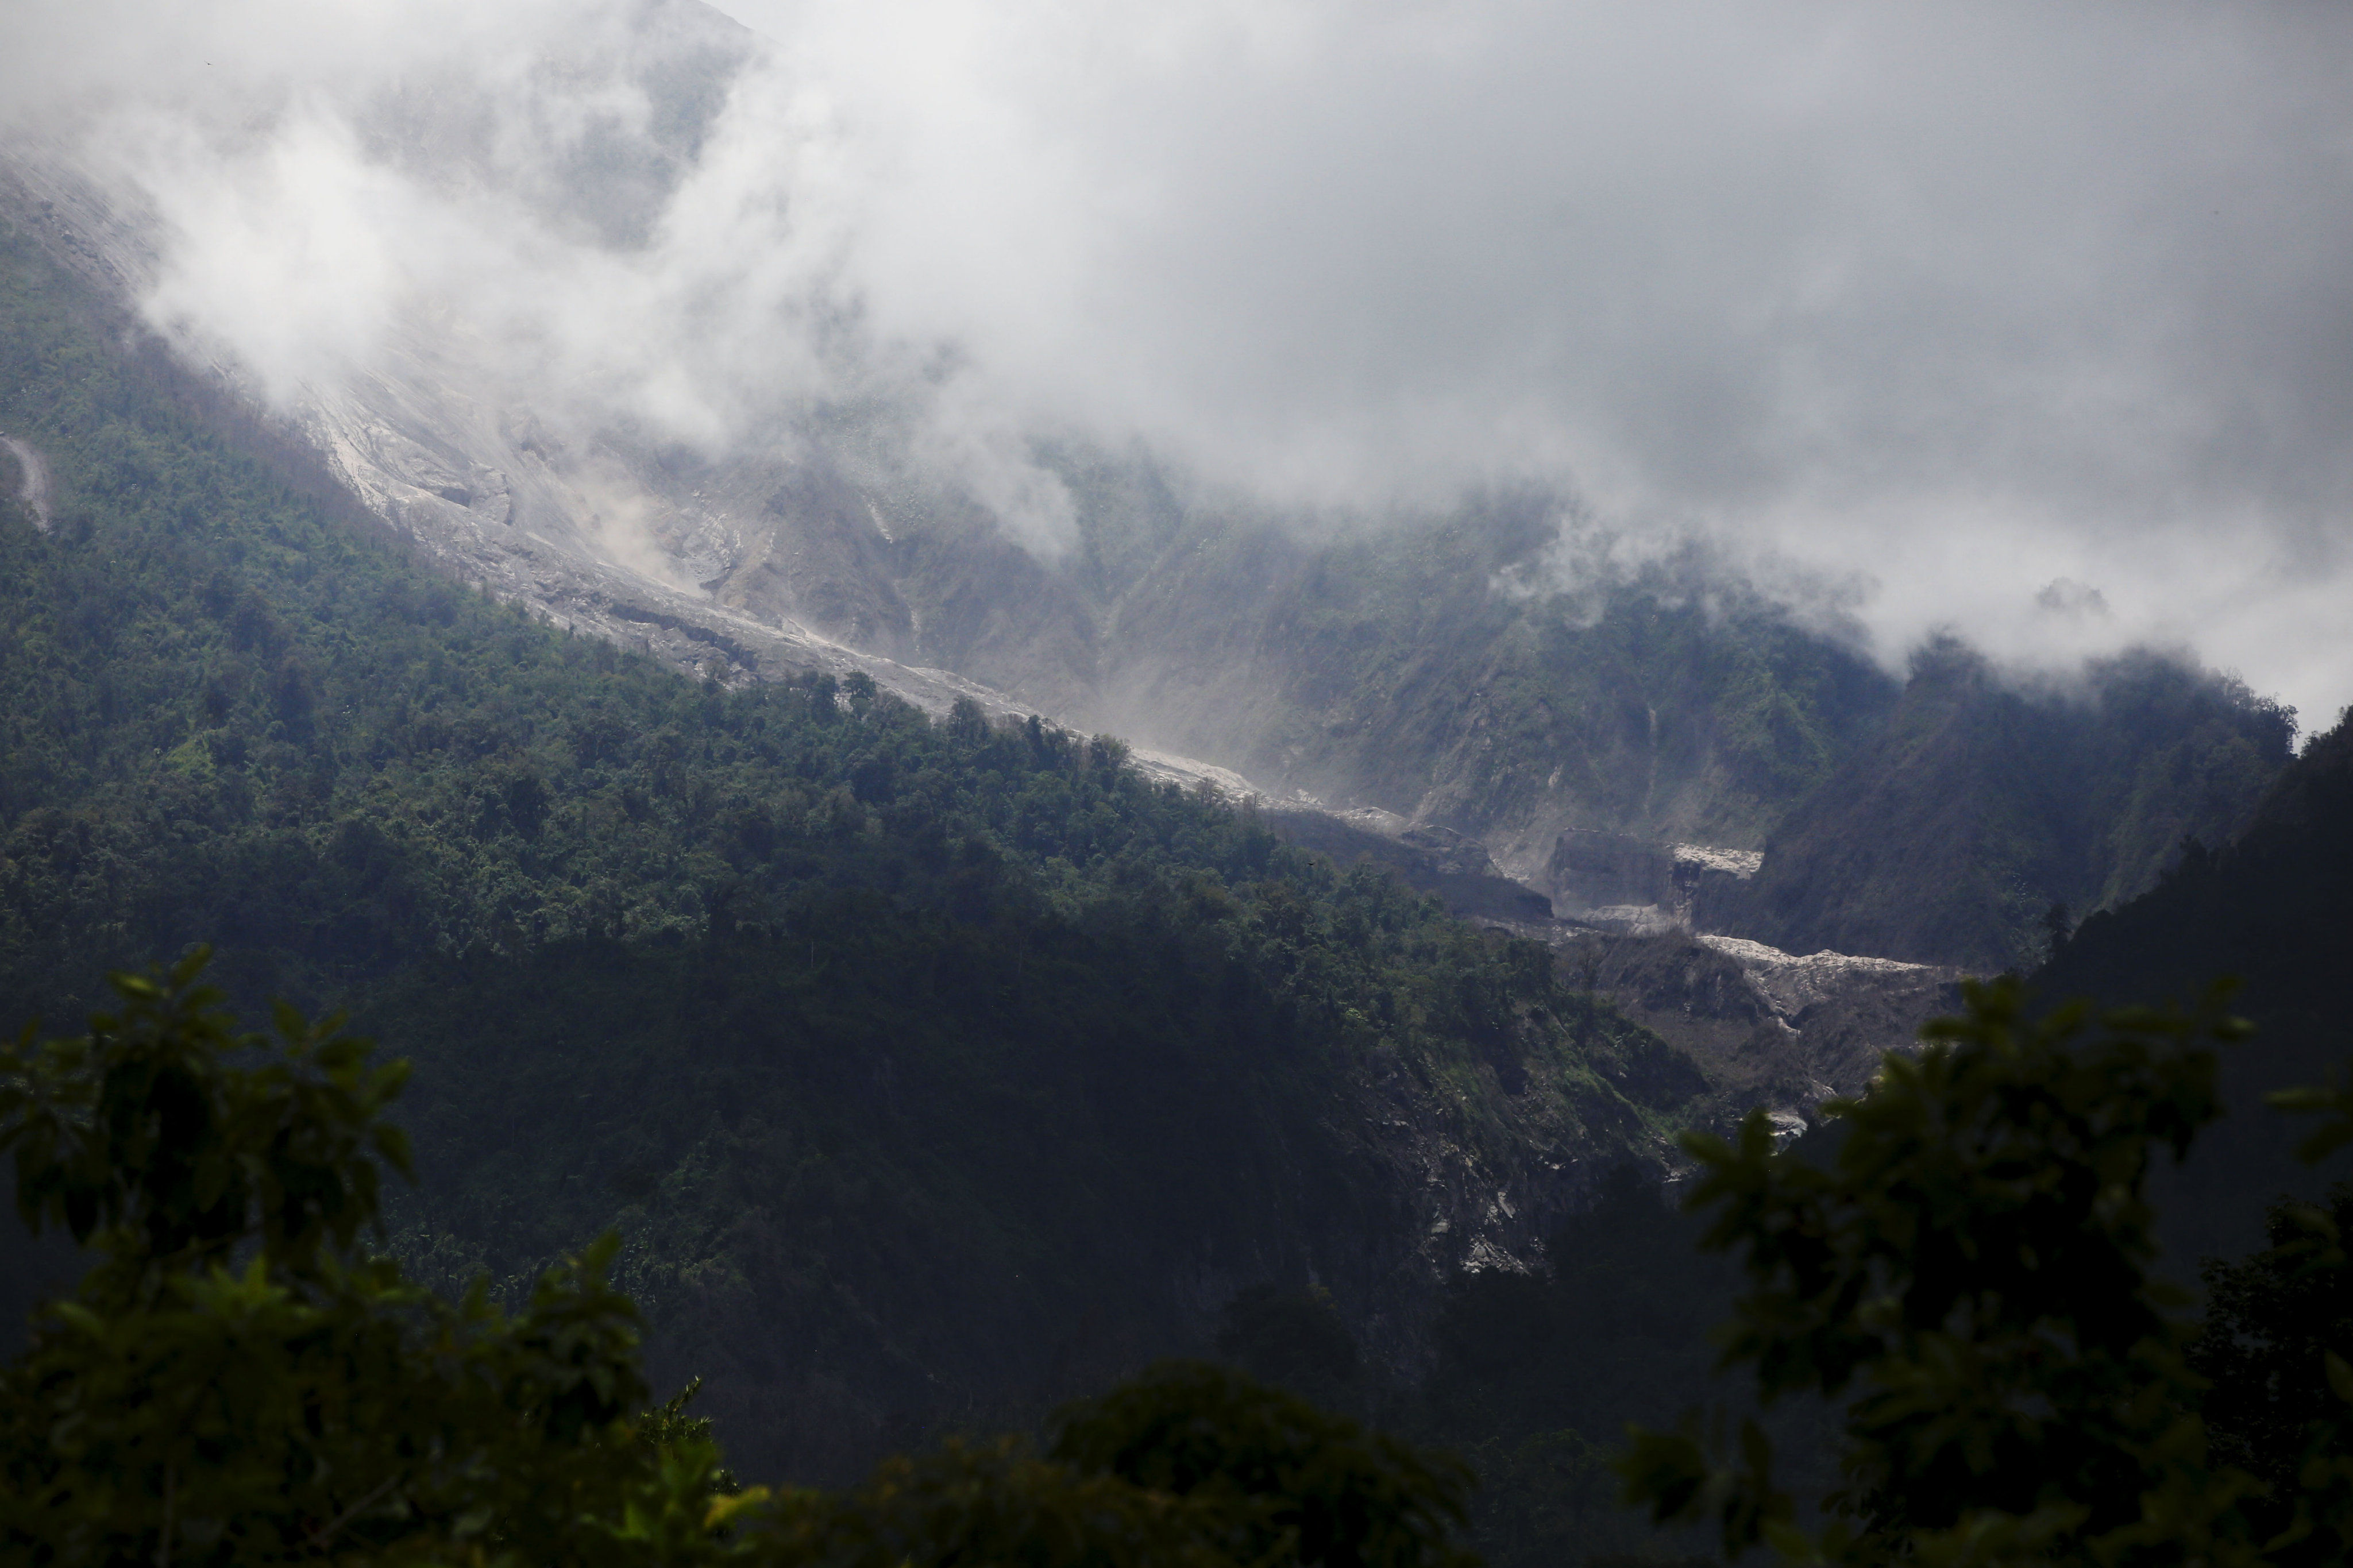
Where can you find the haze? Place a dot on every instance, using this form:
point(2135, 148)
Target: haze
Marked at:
point(2033, 321)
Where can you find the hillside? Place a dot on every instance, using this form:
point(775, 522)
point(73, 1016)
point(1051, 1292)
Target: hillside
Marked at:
point(1947, 838)
point(2270, 909)
point(1467, 669)
point(1501, 667)
point(940, 1065)
point(1489, 666)
point(933, 1068)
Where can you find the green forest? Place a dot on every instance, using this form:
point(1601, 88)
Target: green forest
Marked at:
point(1953, 1295)
point(930, 1072)
point(908, 1091)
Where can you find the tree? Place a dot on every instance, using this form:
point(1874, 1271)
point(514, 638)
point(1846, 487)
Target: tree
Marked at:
point(1293, 1339)
point(967, 722)
point(1278, 1480)
point(2277, 1345)
point(239, 1380)
point(2272, 1350)
point(1971, 1272)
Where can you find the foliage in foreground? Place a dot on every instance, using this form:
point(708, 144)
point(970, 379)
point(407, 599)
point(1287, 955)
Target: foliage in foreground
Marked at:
point(1972, 1277)
point(237, 1382)
point(2272, 1351)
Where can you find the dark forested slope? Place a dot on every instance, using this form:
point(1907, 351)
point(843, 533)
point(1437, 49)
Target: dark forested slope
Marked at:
point(932, 1070)
point(2274, 908)
point(1948, 836)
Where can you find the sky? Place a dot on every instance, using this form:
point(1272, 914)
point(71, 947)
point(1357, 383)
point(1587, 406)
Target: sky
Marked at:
point(2035, 321)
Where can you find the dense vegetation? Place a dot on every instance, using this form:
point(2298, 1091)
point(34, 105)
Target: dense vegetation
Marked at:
point(1534, 1376)
point(1499, 659)
point(929, 1067)
point(236, 1381)
point(1598, 1337)
point(2270, 908)
point(1948, 837)
point(1971, 1274)
point(1965, 1274)
point(1508, 670)
point(2273, 1319)
point(930, 1070)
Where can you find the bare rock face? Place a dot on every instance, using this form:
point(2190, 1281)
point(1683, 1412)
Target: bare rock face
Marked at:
point(1617, 881)
point(1704, 873)
point(1848, 1010)
point(1793, 986)
point(1452, 854)
point(1771, 1029)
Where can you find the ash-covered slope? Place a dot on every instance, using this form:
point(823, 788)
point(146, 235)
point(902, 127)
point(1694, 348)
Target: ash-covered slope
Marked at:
point(1469, 670)
point(604, 537)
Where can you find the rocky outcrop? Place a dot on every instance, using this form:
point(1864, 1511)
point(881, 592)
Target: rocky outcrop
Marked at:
point(1847, 1010)
point(1617, 882)
point(1770, 1028)
point(1706, 877)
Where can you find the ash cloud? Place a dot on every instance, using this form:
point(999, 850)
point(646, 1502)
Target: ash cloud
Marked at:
point(1955, 302)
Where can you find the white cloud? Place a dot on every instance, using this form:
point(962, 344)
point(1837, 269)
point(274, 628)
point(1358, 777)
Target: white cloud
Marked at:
point(1965, 297)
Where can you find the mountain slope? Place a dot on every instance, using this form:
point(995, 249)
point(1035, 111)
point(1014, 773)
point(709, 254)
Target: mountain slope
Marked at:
point(1947, 838)
point(933, 1066)
point(2274, 908)
point(1497, 667)
point(1453, 670)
